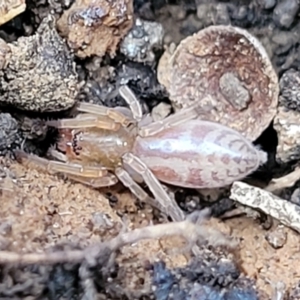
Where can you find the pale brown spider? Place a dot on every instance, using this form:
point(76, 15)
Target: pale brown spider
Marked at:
point(101, 145)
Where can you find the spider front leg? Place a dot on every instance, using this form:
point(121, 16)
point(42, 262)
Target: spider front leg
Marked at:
point(162, 200)
point(104, 112)
point(85, 121)
point(94, 176)
point(103, 117)
point(132, 102)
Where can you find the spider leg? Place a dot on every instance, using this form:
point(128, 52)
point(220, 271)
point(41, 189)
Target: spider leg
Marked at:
point(180, 117)
point(102, 111)
point(86, 121)
point(135, 189)
point(96, 182)
point(90, 175)
point(104, 117)
point(132, 102)
point(165, 203)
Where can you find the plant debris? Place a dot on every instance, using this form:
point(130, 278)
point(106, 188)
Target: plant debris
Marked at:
point(284, 211)
point(229, 70)
point(189, 229)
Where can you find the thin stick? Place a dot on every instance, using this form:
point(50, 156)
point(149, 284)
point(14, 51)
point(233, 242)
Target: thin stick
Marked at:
point(284, 211)
point(189, 229)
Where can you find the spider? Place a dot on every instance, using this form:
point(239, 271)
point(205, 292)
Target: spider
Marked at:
point(103, 145)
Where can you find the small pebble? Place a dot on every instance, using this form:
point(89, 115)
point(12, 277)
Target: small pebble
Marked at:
point(268, 4)
point(139, 43)
point(290, 90)
point(9, 133)
point(285, 13)
point(161, 111)
point(277, 238)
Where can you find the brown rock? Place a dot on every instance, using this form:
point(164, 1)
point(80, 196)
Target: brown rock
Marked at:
point(96, 28)
point(38, 72)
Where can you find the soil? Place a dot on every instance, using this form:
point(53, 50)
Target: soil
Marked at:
point(42, 212)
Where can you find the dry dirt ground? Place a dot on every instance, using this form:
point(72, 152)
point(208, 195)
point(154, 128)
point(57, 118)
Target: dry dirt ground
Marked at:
point(42, 211)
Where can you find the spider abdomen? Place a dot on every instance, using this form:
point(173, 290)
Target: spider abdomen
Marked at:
point(199, 154)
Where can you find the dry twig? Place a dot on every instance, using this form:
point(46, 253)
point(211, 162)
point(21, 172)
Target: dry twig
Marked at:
point(284, 211)
point(191, 229)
